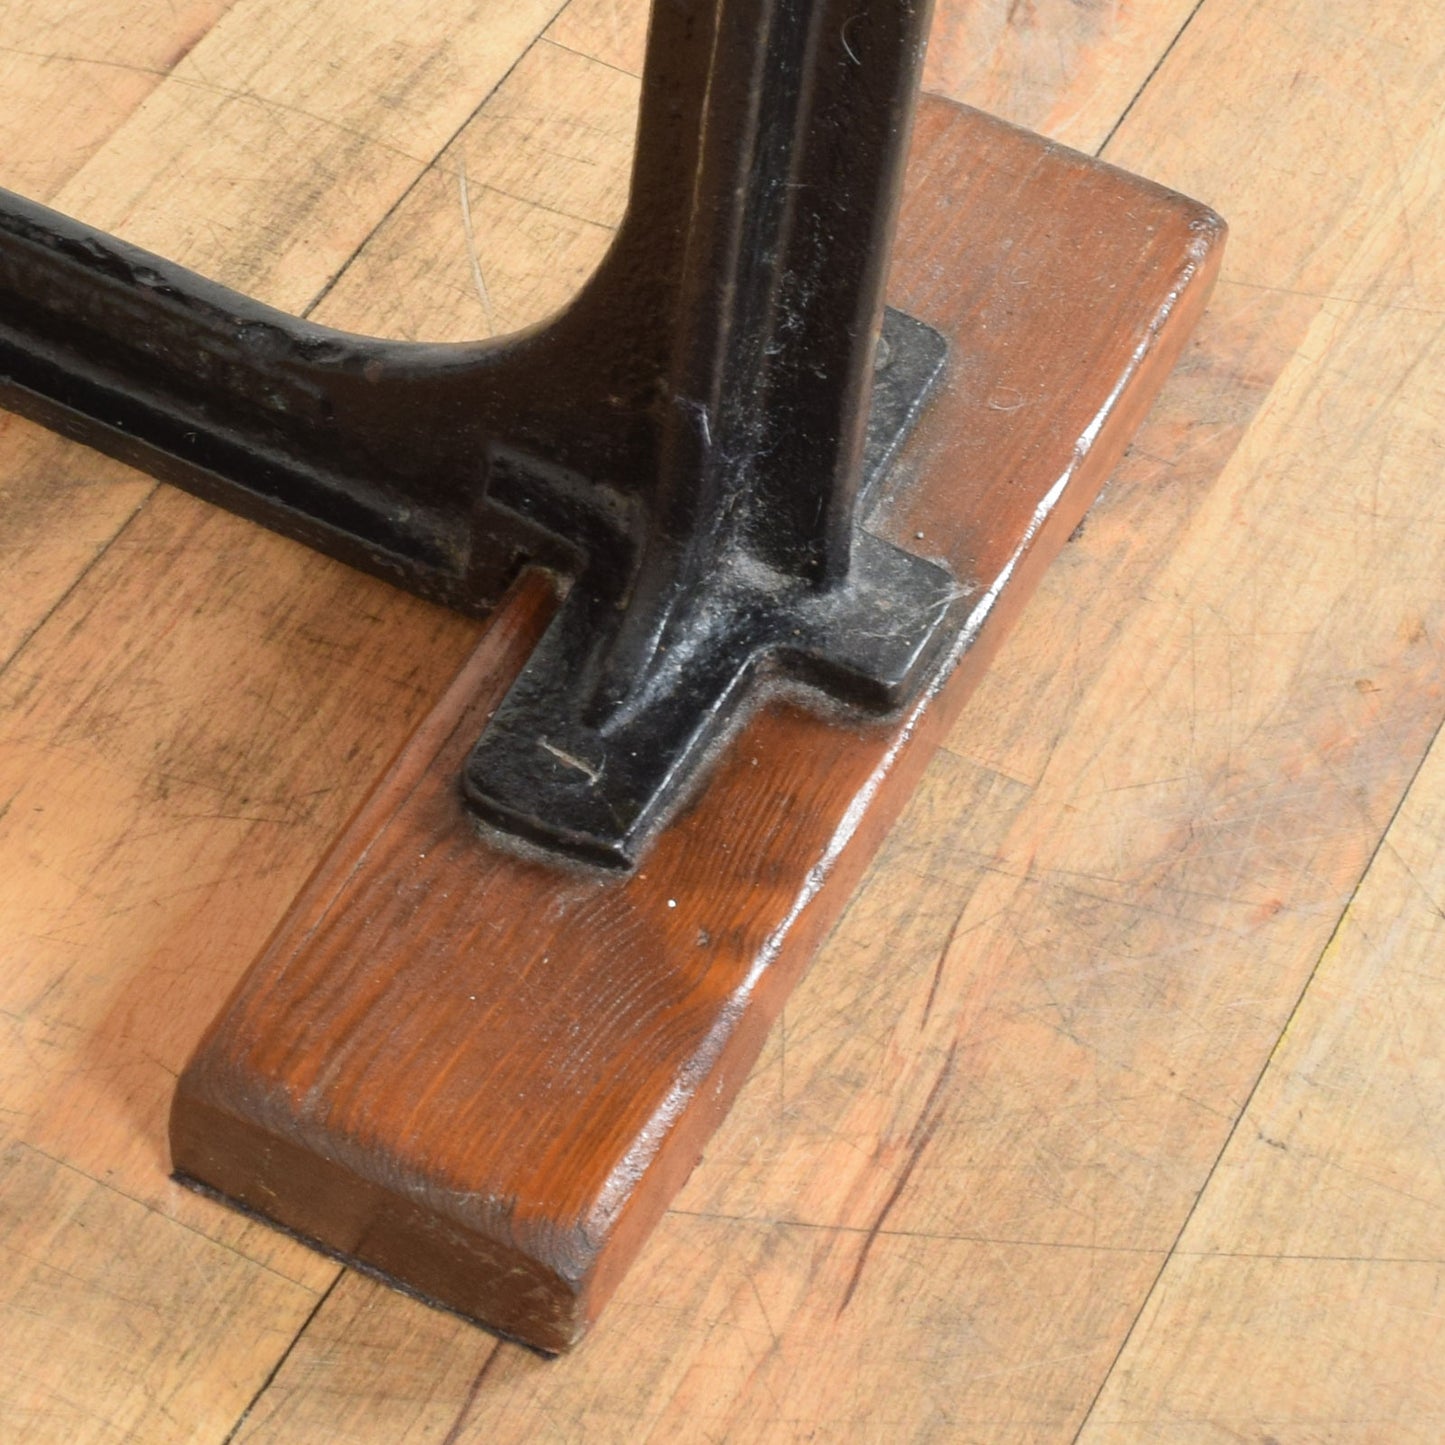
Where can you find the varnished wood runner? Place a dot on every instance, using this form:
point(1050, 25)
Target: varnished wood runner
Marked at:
point(485, 1077)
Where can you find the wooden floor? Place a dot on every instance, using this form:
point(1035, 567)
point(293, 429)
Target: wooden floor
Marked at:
point(1115, 1107)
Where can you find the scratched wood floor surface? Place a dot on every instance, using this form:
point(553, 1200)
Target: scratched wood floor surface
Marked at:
point(1114, 1109)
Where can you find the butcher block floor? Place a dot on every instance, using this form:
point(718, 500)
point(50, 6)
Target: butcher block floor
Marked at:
point(1114, 1108)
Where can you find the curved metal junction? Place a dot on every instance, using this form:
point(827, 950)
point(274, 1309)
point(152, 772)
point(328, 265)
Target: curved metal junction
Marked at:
point(690, 443)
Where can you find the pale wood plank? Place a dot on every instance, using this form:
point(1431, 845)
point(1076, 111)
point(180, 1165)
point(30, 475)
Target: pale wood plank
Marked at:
point(1327, 1350)
point(734, 1335)
point(1304, 1298)
point(118, 1325)
point(61, 506)
point(272, 148)
point(1066, 70)
point(161, 756)
point(559, 134)
point(1258, 111)
point(1304, 1295)
point(68, 80)
point(545, 167)
point(275, 146)
point(435, 271)
point(613, 32)
point(437, 1363)
point(1057, 67)
point(70, 74)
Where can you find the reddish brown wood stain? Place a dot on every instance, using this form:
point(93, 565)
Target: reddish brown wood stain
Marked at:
point(485, 1077)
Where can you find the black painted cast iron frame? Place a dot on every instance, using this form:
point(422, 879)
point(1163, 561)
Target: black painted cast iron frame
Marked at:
point(687, 442)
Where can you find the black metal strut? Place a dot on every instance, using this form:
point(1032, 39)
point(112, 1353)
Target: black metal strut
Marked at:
point(690, 441)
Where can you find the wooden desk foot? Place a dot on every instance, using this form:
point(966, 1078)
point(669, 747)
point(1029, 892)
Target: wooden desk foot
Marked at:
point(484, 1077)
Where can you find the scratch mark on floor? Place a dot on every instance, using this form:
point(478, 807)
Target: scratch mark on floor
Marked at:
point(928, 1119)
